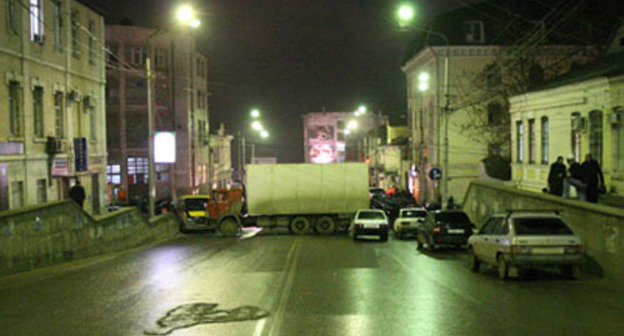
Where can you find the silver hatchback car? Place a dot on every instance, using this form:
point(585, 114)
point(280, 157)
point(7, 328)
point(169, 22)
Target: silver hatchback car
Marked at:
point(526, 238)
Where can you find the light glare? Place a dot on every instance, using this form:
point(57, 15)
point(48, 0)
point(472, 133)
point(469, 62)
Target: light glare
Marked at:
point(352, 124)
point(185, 14)
point(423, 77)
point(405, 12)
point(195, 24)
point(255, 113)
point(264, 134)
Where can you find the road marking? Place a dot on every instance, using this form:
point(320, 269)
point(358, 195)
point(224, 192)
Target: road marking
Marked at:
point(291, 270)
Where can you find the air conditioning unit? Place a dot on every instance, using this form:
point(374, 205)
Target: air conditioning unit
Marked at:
point(54, 145)
point(616, 118)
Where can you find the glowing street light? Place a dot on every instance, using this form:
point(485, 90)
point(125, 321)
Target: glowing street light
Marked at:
point(255, 113)
point(195, 24)
point(264, 134)
point(352, 125)
point(423, 82)
point(186, 14)
point(256, 125)
point(347, 131)
point(405, 13)
point(361, 109)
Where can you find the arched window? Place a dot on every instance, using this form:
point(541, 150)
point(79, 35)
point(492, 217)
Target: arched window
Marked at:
point(575, 141)
point(595, 135)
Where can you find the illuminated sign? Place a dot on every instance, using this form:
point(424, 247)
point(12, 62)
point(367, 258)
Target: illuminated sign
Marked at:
point(164, 147)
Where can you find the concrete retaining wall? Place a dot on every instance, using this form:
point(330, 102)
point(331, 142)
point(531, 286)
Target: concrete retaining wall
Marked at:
point(601, 227)
point(56, 232)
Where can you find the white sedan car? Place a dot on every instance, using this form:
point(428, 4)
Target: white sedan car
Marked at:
point(369, 222)
point(409, 220)
point(524, 239)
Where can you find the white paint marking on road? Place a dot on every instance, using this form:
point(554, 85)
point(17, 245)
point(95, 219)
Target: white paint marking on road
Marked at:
point(291, 270)
point(250, 232)
point(259, 327)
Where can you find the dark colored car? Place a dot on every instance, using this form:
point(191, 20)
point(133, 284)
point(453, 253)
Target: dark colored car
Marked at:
point(392, 204)
point(445, 227)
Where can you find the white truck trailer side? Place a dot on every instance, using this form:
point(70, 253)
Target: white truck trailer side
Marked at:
point(304, 196)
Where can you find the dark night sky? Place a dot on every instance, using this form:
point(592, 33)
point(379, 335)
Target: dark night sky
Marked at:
point(290, 57)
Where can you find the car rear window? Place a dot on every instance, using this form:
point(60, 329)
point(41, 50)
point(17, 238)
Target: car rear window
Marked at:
point(532, 226)
point(371, 215)
point(413, 213)
point(452, 217)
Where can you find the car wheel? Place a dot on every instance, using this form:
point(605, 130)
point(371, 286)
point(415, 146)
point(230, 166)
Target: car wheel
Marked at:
point(503, 268)
point(183, 228)
point(299, 225)
point(354, 236)
point(571, 271)
point(228, 227)
point(419, 245)
point(475, 264)
point(325, 225)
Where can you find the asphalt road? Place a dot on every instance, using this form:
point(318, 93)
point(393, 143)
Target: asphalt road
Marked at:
point(277, 284)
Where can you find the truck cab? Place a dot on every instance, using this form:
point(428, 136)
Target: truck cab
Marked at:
point(220, 210)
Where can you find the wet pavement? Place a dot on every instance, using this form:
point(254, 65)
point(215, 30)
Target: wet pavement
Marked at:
point(278, 284)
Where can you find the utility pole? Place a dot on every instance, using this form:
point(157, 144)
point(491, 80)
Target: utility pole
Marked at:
point(151, 190)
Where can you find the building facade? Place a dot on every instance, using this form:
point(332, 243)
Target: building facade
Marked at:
point(484, 61)
point(179, 105)
point(52, 106)
point(221, 159)
point(580, 113)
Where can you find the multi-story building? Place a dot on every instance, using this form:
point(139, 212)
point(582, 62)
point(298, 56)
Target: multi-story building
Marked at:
point(487, 52)
point(221, 159)
point(579, 113)
point(180, 105)
point(52, 120)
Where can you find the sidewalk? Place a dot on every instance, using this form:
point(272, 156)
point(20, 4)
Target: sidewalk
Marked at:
point(612, 200)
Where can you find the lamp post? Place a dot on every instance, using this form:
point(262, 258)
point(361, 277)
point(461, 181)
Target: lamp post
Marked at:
point(405, 13)
point(186, 16)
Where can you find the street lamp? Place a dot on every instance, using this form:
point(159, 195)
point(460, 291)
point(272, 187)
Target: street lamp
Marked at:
point(405, 14)
point(256, 125)
point(255, 113)
point(186, 16)
point(404, 20)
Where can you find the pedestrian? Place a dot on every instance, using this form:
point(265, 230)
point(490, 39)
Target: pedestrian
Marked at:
point(574, 177)
point(450, 204)
point(556, 176)
point(593, 178)
point(77, 193)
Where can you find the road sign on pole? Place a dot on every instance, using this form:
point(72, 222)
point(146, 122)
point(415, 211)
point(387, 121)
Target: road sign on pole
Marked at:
point(435, 174)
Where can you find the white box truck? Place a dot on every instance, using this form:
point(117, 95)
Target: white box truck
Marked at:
point(322, 197)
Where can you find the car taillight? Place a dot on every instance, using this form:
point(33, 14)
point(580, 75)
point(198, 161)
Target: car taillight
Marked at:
point(520, 249)
point(436, 229)
point(574, 249)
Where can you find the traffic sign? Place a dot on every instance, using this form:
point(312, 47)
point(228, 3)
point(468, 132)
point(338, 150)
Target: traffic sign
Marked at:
point(435, 174)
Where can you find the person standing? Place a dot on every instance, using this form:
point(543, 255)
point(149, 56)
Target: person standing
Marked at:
point(77, 193)
point(556, 176)
point(574, 178)
point(592, 176)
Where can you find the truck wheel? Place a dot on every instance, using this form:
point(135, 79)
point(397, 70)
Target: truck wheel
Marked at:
point(299, 225)
point(228, 227)
point(325, 225)
point(571, 271)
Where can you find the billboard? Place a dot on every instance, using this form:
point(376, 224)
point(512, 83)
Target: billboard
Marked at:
point(322, 143)
point(164, 147)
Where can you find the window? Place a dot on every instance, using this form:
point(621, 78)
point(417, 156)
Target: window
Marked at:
point(162, 58)
point(12, 16)
point(111, 54)
point(544, 139)
point(58, 25)
point(15, 109)
point(519, 142)
point(36, 21)
point(38, 111)
point(539, 226)
point(92, 122)
point(531, 140)
point(576, 127)
point(59, 116)
point(135, 55)
point(452, 217)
point(137, 170)
point(17, 194)
point(113, 174)
point(473, 31)
point(92, 42)
point(595, 135)
point(42, 191)
point(501, 228)
point(341, 125)
point(75, 33)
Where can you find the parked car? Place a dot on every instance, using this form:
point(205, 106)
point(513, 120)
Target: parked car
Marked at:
point(408, 221)
point(369, 222)
point(392, 204)
point(525, 239)
point(372, 191)
point(444, 227)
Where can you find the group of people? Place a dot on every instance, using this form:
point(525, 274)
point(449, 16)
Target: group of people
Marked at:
point(586, 178)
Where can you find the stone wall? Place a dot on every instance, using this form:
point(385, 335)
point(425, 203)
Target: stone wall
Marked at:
point(56, 232)
point(600, 227)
